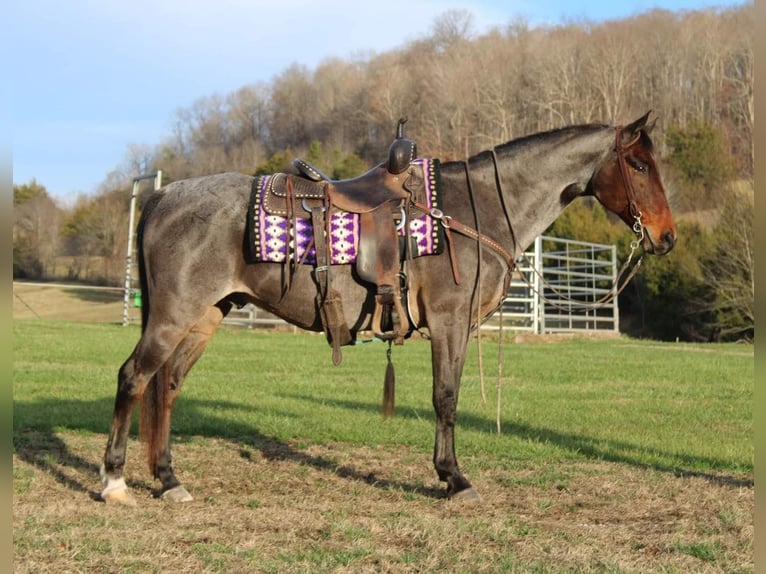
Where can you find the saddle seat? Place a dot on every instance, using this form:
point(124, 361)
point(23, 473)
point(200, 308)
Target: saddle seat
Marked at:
point(361, 194)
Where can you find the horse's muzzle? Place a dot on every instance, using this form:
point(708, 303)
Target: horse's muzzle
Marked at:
point(661, 247)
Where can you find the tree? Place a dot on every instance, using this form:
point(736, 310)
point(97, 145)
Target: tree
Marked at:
point(293, 100)
point(279, 161)
point(663, 301)
point(96, 230)
point(586, 220)
point(610, 67)
point(450, 28)
point(36, 222)
point(700, 158)
point(730, 270)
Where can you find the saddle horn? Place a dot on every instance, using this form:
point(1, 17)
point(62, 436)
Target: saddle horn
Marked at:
point(402, 151)
point(400, 127)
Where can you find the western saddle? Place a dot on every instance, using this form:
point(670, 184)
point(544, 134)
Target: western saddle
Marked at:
point(376, 197)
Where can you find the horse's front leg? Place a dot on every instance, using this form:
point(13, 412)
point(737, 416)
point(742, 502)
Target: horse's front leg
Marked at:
point(448, 349)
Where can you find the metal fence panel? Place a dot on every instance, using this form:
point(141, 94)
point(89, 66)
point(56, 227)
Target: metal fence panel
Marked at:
point(556, 285)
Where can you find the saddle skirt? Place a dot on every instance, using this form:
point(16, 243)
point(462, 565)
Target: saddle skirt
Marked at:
point(268, 227)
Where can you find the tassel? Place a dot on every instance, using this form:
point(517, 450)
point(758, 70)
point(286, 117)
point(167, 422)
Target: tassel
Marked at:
point(389, 386)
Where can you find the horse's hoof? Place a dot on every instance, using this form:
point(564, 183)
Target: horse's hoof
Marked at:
point(177, 494)
point(122, 497)
point(115, 490)
point(468, 496)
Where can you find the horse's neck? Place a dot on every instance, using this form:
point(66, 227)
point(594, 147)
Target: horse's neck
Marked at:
point(540, 178)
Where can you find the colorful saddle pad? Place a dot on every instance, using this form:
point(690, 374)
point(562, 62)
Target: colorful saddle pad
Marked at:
point(268, 234)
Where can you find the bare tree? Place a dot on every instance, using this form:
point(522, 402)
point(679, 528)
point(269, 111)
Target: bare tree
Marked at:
point(249, 110)
point(564, 97)
point(731, 271)
point(293, 101)
point(611, 65)
point(97, 234)
point(450, 28)
point(738, 93)
point(36, 224)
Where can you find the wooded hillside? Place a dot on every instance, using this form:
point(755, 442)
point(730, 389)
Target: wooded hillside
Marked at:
point(464, 92)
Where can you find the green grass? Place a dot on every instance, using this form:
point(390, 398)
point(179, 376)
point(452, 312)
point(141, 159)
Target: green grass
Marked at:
point(672, 407)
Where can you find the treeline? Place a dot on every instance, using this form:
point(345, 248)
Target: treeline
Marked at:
point(462, 93)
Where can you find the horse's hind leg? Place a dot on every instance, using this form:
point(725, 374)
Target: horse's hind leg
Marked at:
point(176, 368)
point(151, 352)
point(164, 355)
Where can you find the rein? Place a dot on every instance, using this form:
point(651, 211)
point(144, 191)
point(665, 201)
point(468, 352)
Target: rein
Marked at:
point(610, 295)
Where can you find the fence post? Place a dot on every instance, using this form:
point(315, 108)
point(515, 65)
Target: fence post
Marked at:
point(537, 269)
point(128, 283)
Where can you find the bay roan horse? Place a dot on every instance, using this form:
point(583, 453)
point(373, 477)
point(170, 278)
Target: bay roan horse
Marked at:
point(194, 269)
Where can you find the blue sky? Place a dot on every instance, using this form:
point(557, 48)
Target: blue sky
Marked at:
point(91, 77)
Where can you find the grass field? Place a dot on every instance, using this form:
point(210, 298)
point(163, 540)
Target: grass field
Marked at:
point(615, 456)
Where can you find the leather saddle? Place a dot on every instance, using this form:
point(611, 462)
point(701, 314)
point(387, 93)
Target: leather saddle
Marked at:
point(378, 197)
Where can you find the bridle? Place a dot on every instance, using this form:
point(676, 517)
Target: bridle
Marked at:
point(635, 213)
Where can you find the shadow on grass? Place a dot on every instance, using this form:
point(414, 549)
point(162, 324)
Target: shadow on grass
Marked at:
point(46, 451)
point(36, 441)
point(96, 295)
point(597, 449)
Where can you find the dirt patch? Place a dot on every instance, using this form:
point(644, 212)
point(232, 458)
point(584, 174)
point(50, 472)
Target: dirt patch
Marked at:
point(283, 507)
point(558, 337)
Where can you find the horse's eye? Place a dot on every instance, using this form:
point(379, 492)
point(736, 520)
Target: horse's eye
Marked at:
point(639, 166)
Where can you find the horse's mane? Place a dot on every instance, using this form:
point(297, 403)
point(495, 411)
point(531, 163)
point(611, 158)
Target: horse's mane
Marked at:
point(566, 131)
point(522, 142)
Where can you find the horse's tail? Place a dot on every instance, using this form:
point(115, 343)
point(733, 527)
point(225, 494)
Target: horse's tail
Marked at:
point(142, 279)
point(154, 424)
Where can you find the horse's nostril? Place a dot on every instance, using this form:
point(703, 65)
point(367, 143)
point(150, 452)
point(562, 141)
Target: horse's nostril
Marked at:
point(669, 238)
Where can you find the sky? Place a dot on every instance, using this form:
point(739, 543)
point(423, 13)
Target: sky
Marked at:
point(89, 78)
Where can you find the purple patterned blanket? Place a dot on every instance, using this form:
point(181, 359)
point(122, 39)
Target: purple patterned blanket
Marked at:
point(268, 234)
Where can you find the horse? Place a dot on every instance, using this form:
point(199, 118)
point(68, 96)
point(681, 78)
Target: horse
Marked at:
point(194, 269)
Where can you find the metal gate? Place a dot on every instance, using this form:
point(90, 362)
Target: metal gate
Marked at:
point(554, 284)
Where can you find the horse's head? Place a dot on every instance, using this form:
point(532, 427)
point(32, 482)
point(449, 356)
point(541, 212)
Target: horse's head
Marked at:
point(629, 185)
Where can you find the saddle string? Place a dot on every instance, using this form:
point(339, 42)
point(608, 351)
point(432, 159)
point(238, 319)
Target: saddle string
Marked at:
point(501, 332)
point(499, 384)
point(291, 226)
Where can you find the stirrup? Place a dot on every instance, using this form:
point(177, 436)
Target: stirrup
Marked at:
point(388, 302)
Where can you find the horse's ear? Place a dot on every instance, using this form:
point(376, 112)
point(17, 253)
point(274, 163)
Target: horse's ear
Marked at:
point(630, 132)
